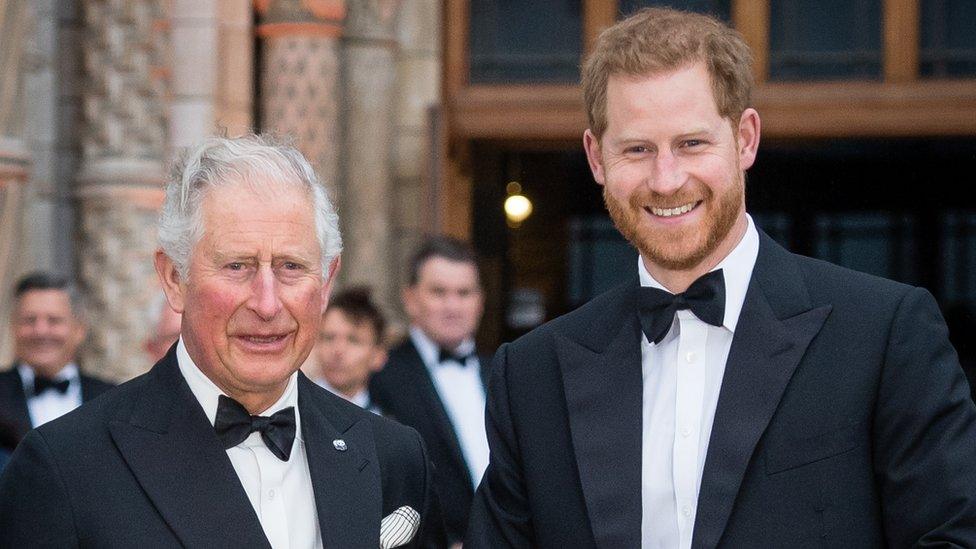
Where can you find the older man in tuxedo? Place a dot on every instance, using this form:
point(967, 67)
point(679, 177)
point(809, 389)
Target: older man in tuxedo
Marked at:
point(45, 382)
point(224, 443)
point(730, 393)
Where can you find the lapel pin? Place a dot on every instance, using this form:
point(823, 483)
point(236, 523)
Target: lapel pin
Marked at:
point(339, 444)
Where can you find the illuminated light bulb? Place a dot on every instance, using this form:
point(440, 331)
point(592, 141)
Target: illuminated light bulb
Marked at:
point(517, 208)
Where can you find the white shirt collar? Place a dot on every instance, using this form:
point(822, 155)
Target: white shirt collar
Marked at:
point(207, 393)
point(736, 269)
point(69, 372)
point(360, 399)
point(430, 351)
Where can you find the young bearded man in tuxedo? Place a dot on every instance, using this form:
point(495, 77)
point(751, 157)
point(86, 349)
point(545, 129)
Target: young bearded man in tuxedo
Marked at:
point(45, 381)
point(224, 443)
point(730, 394)
point(434, 381)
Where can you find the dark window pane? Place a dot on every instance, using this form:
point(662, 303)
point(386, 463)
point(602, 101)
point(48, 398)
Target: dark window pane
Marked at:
point(519, 41)
point(719, 8)
point(959, 246)
point(879, 243)
point(948, 38)
point(826, 39)
point(599, 258)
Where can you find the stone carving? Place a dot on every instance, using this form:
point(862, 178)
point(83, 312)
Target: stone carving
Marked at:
point(120, 187)
point(126, 79)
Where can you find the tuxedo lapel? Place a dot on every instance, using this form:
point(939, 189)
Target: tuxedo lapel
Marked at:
point(600, 360)
point(174, 453)
point(775, 327)
point(346, 482)
point(13, 402)
point(430, 400)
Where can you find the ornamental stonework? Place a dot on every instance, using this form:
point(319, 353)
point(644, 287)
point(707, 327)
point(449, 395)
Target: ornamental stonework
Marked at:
point(119, 282)
point(124, 63)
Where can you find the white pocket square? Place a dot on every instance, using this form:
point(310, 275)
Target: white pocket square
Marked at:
point(399, 527)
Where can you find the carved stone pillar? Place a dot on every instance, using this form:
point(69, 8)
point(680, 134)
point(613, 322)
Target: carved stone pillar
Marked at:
point(119, 189)
point(300, 75)
point(367, 205)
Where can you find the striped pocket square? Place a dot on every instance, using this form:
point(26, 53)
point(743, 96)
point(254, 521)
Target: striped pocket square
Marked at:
point(399, 527)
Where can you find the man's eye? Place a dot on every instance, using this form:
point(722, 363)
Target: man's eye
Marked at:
point(693, 143)
point(637, 149)
point(236, 266)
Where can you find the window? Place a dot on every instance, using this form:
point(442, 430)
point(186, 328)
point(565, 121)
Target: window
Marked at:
point(823, 40)
point(513, 41)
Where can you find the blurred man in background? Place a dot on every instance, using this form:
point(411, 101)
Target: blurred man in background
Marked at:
point(434, 381)
point(350, 347)
point(44, 382)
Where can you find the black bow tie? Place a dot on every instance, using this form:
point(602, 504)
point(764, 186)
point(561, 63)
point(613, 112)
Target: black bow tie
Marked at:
point(705, 297)
point(233, 424)
point(446, 356)
point(42, 384)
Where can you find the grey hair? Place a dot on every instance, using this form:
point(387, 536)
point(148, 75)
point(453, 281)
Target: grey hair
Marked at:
point(260, 161)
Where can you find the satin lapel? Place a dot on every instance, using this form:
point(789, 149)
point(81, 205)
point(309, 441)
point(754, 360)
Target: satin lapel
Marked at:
point(13, 402)
point(774, 330)
point(436, 412)
point(603, 385)
point(173, 452)
point(348, 493)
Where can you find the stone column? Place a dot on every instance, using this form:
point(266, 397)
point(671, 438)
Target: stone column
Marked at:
point(14, 164)
point(299, 74)
point(119, 189)
point(418, 93)
point(212, 86)
point(366, 207)
point(14, 158)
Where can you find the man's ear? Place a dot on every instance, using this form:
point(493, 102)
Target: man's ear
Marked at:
point(750, 128)
point(409, 297)
point(169, 278)
point(334, 266)
point(378, 360)
point(593, 156)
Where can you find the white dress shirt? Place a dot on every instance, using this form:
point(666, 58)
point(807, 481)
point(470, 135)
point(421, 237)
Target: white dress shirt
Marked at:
point(280, 491)
point(51, 404)
point(682, 378)
point(463, 395)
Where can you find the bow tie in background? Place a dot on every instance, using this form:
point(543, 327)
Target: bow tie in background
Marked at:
point(446, 356)
point(42, 384)
point(233, 424)
point(705, 297)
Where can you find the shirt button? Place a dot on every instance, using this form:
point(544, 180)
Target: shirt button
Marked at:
point(691, 356)
point(686, 432)
point(271, 494)
point(686, 511)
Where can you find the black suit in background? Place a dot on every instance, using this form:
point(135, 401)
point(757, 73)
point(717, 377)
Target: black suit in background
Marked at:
point(142, 467)
point(14, 413)
point(405, 392)
point(843, 420)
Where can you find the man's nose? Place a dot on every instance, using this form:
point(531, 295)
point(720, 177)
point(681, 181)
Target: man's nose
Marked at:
point(667, 173)
point(265, 301)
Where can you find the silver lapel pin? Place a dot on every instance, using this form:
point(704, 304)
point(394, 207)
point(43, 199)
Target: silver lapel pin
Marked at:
point(339, 444)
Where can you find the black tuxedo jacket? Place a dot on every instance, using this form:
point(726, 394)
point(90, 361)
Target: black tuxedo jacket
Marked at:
point(843, 420)
point(142, 467)
point(13, 401)
point(405, 392)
